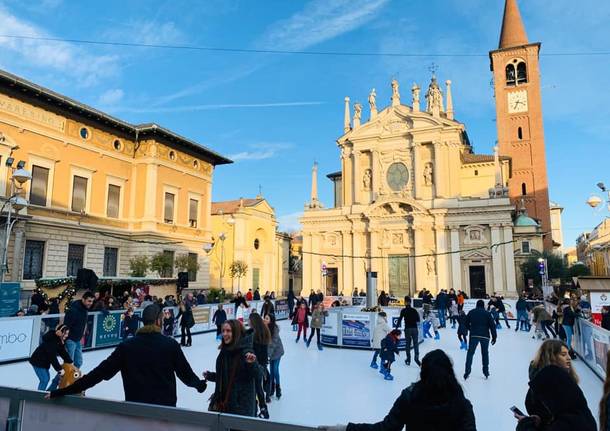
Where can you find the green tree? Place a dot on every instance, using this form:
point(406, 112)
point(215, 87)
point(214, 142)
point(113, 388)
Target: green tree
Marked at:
point(238, 269)
point(186, 263)
point(163, 264)
point(578, 270)
point(556, 267)
point(138, 265)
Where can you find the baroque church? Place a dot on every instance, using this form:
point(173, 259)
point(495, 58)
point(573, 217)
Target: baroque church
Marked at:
point(417, 207)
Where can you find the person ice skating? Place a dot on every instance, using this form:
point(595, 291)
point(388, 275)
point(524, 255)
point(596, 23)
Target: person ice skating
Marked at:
point(219, 317)
point(130, 323)
point(462, 331)
point(187, 321)
point(497, 302)
point(495, 316)
point(257, 295)
point(276, 351)
point(481, 328)
point(389, 347)
point(148, 363)
point(568, 321)
point(267, 307)
point(262, 339)
point(53, 345)
point(169, 323)
point(453, 313)
point(436, 402)
point(554, 400)
point(523, 322)
point(235, 372)
point(441, 306)
point(431, 323)
point(300, 319)
point(76, 320)
point(382, 329)
point(411, 318)
point(317, 320)
point(461, 298)
point(543, 319)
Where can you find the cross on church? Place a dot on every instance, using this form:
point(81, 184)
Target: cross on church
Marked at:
point(433, 68)
point(260, 190)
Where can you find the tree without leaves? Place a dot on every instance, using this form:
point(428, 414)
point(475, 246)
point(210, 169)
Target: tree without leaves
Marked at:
point(238, 269)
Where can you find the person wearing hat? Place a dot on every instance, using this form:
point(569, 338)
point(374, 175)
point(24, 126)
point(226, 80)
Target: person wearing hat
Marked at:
point(149, 364)
point(45, 356)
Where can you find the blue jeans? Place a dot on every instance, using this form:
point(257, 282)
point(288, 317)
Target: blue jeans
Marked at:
point(43, 378)
point(75, 350)
point(523, 322)
point(569, 330)
point(274, 372)
point(441, 316)
point(472, 347)
point(375, 355)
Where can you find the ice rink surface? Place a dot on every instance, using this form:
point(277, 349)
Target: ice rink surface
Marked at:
point(337, 385)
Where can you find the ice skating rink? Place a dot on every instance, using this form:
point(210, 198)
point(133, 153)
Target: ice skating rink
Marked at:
point(337, 385)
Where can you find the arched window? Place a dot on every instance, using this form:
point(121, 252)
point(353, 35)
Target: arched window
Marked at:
point(520, 133)
point(510, 75)
point(523, 189)
point(521, 73)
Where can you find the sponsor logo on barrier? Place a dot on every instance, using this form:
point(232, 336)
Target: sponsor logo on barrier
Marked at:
point(15, 338)
point(12, 338)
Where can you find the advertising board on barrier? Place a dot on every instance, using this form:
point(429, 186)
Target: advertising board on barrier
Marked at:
point(599, 300)
point(359, 301)
point(15, 338)
point(356, 330)
point(329, 332)
point(281, 309)
point(108, 329)
point(201, 314)
point(9, 298)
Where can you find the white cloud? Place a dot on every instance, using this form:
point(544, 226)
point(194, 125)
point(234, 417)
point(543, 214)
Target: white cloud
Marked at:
point(64, 57)
point(210, 107)
point(290, 222)
point(260, 151)
point(111, 97)
point(319, 21)
point(149, 32)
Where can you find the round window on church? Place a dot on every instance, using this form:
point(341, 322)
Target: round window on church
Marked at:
point(397, 176)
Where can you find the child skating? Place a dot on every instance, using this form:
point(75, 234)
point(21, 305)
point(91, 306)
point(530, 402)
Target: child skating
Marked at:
point(462, 331)
point(389, 347)
point(382, 329)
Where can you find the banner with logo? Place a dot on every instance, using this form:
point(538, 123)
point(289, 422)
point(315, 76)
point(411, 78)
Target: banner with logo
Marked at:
point(598, 300)
point(108, 329)
point(330, 331)
point(356, 330)
point(281, 309)
point(592, 344)
point(15, 338)
point(359, 301)
point(9, 298)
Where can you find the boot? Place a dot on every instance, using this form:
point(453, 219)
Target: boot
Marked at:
point(320, 347)
point(278, 391)
point(297, 340)
point(374, 365)
point(437, 336)
point(388, 376)
point(264, 413)
point(271, 391)
point(307, 343)
point(418, 362)
point(408, 361)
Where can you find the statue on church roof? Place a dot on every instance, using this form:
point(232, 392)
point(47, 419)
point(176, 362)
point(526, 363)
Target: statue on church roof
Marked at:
point(395, 93)
point(434, 98)
point(357, 114)
point(372, 100)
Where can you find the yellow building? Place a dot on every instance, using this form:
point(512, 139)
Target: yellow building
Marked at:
point(246, 230)
point(102, 190)
point(594, 249)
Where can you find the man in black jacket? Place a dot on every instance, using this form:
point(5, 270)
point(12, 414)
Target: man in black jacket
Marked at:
point(149, 364)
point(481, 327)
point(76, 321)
point(411, 318)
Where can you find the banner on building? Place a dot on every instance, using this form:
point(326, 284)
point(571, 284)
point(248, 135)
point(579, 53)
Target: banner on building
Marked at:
point(356, 330)
point(108, 329)
point(9, 298)
point(15, 338)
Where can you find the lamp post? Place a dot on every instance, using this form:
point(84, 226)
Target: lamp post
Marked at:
point(15, 202)
point(209, 247)
point(595, 200)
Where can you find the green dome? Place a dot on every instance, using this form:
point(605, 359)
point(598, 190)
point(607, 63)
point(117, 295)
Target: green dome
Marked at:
point(524, 220)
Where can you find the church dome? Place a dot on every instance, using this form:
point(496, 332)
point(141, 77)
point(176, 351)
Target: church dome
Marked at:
point(524, 220)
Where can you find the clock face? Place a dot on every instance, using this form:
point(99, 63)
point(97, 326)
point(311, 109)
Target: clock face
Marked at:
point(517, 101)
point(397, 176)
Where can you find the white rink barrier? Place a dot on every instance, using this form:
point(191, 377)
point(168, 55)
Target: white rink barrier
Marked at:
point(19, 336)
point(592, 344)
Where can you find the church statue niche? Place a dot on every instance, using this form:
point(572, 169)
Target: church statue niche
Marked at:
point(428, 174)
point(430, 265)
point(367, 180)
point(475, 235)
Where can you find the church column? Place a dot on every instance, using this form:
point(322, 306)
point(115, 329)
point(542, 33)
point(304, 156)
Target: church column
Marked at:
point(307, 262)
point(496, 259)
point(441, 259)
point(376, 175)
point(356, 177)
point(358, 263)
point(509, 259)
point(316, 264)
point(439, 178)
point(456, 265)
point(346, 176)
point(374, 251)
point(420, 262)
point(416, 171)
point(346, 267)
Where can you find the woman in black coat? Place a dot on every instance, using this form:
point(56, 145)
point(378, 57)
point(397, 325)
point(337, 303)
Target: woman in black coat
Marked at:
point(187, 321)
point(436, 402)
point(236, 370)
point(45, 356)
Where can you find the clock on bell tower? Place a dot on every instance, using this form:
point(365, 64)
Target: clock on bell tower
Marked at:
point(516, 76)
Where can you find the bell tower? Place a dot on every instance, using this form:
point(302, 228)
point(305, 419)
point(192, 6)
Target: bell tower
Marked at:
point(516, 76)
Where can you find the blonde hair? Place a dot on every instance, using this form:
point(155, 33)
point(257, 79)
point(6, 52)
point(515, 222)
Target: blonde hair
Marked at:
point(547, 355)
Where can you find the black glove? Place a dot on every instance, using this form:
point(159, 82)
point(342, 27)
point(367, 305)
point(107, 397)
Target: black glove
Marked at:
point(493, 341)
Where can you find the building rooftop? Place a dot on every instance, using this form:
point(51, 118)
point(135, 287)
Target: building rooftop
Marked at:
point(468, 158)
point(230, 207)
point(524, 220)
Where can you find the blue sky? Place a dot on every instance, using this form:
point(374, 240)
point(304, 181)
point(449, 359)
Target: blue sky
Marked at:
point(274, 114)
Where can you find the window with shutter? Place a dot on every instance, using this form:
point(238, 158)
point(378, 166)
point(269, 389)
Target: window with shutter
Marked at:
point(110, 261)
point(76, 259)
point(169, 208)
point(114, 198)
point(193, 209)
point(38, 190)
point(79, 194)
point(33, 258)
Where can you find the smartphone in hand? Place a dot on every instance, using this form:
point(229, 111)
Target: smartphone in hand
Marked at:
point(516, 411)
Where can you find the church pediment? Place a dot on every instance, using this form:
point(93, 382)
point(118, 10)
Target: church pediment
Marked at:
point(395, 206)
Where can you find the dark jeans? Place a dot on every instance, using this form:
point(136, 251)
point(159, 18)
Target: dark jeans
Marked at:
point(376, 353)
point(412, 335)
point(463, 338)
point(185, 332)
point(218, 329)
point(472, 347)
point(547, 324)
point(442, 312)
point(317, 332)
point(259, 381)
point(503, 313)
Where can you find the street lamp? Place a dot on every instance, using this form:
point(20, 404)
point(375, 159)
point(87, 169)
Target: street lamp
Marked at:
point(15, 202)
point(595, 200)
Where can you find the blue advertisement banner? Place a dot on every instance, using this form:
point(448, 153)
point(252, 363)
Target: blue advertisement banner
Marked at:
point(9, 298)
point(108, 329)
point(281, 309)
point(356, 330)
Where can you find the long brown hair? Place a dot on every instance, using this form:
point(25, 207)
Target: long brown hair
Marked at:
point(261, 332)
point(237, 329)
point(603, 409)
point(547, 355)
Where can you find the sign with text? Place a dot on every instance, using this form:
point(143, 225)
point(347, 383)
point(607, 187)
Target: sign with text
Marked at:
point(15, 338)
point(330, 331)
point(356, 330)
point(281, 309)
point(9, 298)
point(108, 329)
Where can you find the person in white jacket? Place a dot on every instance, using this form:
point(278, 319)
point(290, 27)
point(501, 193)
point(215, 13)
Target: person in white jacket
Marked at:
point(382, 329)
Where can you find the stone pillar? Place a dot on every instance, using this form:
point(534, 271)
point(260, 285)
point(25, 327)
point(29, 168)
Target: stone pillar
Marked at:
point(376, 175)
point(151, 193)
point(346, 177)
point(416, 171)
point(509, 261)
point(442, 266)
point(356, 177)
point(346, 267)
point(496, 259)
point(439, 181)
point(420, 262)
point(18, 243)
point(456, 263)
point(359, 263)
point(307, 263)
point(316, 263)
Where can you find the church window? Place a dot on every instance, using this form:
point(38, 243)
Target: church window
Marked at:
point(520, 133)
point(476, 173)
point(525, 247)
point(510, 75)
point(521, 73)
point(523, 189)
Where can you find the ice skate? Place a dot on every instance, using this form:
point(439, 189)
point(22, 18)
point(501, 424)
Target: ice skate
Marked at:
point(374, 365)
point(388, 376)
point(320, 347)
